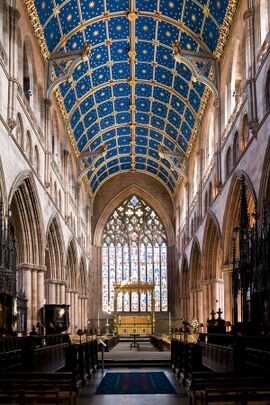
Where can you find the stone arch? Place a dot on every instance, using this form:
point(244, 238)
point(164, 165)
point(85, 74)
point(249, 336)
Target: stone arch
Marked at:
point(244, 132)
point(3, 193)
point(72, 284)
point(28, 221)
point(264, 192)
point(28, 146)
point(231, 212)
point(236, 148)
point(184, 287)
point(211, 248)
point(83, 288)
point(20, 131)
point(119, 198)
point(228, 162)
point(82, 276)
point(71, 265)
point(213, 296)
point(54, 259)
point(36, 160)
point(195, 267)
point(29, 72)
point(55, 249)
point(195, 264)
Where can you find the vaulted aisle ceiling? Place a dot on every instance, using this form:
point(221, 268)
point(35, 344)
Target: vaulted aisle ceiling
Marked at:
point(130, 93)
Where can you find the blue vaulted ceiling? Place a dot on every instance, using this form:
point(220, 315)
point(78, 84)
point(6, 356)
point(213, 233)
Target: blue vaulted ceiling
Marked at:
point(132, 103)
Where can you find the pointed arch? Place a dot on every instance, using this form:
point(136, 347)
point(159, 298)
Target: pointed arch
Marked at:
point(71, 266)
point(27, 219)
point(211, 250)
point(82, 276)
point(236, 148)
point(28, 146)
point(195, 264)
point(196, 280)
point(3, 192)
point(184, 288)
point(20, 131)
point(119, 198)
point(264, 192)
point(55, 249)
point(232, 210)
point(244, 133)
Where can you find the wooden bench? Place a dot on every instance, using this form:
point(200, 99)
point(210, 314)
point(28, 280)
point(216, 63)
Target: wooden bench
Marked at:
point(219, 388)
point(27, 387)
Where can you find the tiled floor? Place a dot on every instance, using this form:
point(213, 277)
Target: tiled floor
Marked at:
point(87, 395)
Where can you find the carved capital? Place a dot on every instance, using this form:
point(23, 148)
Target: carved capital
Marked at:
point(14, 13)
point(248, 13)
point(11, 123)
point(47, 102)
point(217, 102)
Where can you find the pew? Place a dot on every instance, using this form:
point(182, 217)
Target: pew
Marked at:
point(32, 387)
point(205, 387)
point(157, 342)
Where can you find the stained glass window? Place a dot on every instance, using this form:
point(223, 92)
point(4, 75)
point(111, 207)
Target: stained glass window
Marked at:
point(134, 248)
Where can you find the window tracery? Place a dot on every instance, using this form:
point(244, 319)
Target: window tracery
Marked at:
point(134, 248)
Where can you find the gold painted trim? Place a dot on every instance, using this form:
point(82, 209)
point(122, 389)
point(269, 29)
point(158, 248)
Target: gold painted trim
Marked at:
point(33, 14)
point(224, 32)
point(225, 28)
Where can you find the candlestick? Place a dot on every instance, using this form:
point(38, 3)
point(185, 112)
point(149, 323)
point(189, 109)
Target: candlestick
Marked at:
point(98, 328)
point(170, 323)
point(107, 327)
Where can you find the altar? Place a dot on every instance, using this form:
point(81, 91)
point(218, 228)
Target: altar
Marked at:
point(135, 323)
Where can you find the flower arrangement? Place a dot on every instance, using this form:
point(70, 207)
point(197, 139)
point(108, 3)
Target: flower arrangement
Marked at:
point(195, 323)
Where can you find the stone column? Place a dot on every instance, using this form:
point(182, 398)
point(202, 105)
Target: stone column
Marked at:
point(14, 16)
point(47, 105)
point(191, 306)
point(227, 277)
point(40, 288)
point(68, 301)
point(217, 126)
point(52, 295)
point(200, 306)
point(27, 288)
point(85, 312)
point(58, 287)
point(34, 297)
point(79, 312)
point(62, 294)
point(76, 310)
point(206, 305)
point(251, 73)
